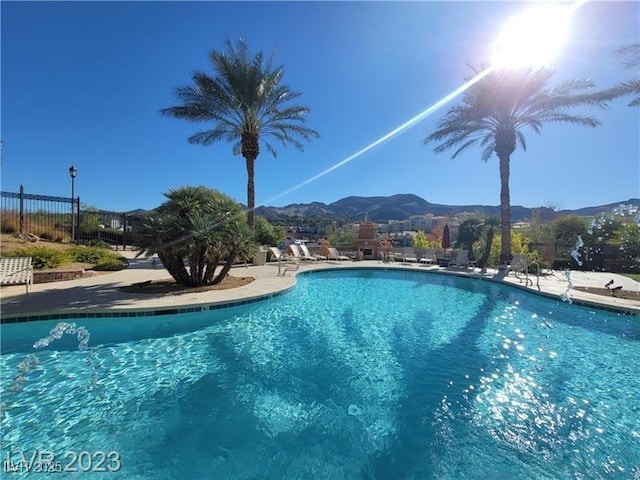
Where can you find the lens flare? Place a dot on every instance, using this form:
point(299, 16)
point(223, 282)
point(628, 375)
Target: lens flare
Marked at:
point(532, 38)
point(411, 122)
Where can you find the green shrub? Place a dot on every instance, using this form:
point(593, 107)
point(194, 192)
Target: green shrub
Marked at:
point(94, 242)
point(266, 233)
point(41, 257)
point(111, 265)
point(87, 254)
point(46, 257)
point(97, 256)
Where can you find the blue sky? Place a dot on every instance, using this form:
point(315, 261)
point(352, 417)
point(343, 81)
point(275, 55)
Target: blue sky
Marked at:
point(83, 82)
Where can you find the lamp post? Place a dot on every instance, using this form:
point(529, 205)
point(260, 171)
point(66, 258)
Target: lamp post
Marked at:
point(73, 172)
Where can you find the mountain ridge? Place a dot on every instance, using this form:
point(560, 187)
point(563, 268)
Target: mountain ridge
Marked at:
point(404, 205)
point(401, 206)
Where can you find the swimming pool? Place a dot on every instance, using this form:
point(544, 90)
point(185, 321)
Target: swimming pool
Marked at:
point(353, 374)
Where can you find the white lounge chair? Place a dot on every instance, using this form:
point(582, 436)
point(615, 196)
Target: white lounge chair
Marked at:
point(395, 256)
point(518, 263)
point(286, 263)
point(430, 257)
point(297, 253)
point(409, 256)
point(16, 271)
point(521, 264)
point(461, 260)
point(277, 254)
point(335, 255)
point(307, 254)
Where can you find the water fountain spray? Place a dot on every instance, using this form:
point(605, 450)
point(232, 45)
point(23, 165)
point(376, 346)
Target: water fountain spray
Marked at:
point(575, 254)
point(27, 365)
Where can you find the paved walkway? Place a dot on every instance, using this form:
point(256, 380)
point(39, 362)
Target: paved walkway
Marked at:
point(101, 292)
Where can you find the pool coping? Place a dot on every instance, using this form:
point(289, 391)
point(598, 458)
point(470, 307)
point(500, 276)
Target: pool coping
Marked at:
point(285, 284)
point(139, 312)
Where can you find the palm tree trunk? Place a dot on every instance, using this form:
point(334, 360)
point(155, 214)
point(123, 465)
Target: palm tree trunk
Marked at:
point(227, 266)
point(487, 250)
point(251, 194)
point(211, 269)
point(505, 210)
point(250, 150)
point(175, 266)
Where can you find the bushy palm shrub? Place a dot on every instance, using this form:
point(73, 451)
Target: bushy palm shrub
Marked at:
point(196, 231)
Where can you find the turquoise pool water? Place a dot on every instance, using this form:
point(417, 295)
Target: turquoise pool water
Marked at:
point(353, 374)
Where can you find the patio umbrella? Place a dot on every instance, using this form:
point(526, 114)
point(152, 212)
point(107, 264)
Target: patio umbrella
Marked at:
point(446, 239)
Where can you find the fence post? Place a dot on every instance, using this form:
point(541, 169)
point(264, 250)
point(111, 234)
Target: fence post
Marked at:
point(77, 221)
point(21, 209)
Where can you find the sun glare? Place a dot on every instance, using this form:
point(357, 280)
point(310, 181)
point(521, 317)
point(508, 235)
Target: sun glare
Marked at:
point(532, 38)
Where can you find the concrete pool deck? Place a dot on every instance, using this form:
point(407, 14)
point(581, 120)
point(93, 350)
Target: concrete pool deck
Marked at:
point(101, 293)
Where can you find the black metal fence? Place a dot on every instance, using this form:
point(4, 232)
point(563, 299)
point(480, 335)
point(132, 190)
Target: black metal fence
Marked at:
point(117, 229)
point(61, 219)
point(47, 217)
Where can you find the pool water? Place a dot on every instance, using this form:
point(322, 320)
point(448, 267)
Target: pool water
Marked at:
point(353, 374)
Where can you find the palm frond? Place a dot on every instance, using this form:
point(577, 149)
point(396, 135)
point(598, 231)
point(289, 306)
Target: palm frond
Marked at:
point(522, 140)
point(559, 117)
point(487, 152)
point(495, 111)
point(625, 89)
point(246, 95)
point(632, 51)
point(270, 149)
point(209, 137)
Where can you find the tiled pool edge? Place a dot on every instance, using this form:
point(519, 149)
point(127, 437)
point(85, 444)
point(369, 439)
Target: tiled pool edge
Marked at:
point(140, 312)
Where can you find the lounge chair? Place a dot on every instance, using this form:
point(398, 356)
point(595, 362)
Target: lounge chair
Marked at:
point(285, 262)
point(461, 260)
point(277, 254)
point(307, 255)
point(335, 255)
point(395, 256)
point(16, 271)
point(409, 256)
point(520, 265)
point(297, 253)
point(430, 257)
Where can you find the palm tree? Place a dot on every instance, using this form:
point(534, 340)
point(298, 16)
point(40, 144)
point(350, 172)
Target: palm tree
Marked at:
point(632, 86)
point(244, 103)
point(495, 111)
point(196, 231)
